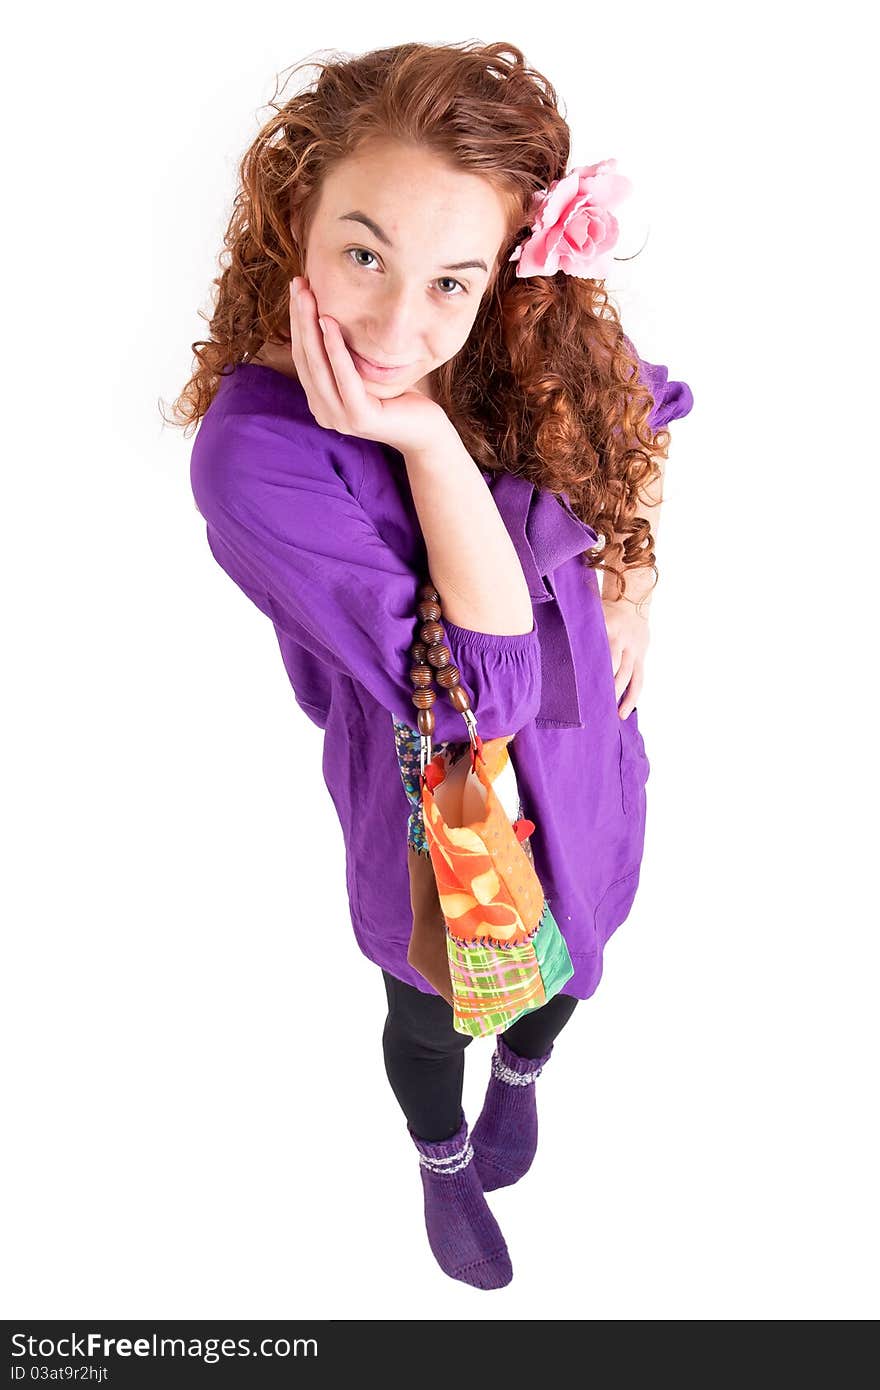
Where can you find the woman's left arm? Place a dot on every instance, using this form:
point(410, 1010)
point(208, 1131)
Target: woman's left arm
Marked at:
point(626, 618)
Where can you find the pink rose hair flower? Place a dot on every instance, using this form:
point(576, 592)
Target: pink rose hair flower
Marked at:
point(574, 228)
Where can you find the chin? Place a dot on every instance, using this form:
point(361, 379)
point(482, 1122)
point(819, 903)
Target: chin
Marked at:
point(388, 391)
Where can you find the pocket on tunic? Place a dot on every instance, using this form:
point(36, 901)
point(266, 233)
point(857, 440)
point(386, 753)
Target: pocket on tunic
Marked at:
point(634, 765)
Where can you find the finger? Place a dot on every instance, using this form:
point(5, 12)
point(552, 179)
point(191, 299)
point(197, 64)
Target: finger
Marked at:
point(634, 690)
point(316, 356)
point(625, 706)
point(616, 657)
point(296, 347)
point(348, 379)
point(622, 680)
point(304, 364)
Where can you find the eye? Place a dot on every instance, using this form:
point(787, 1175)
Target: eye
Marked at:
point(452, 282)
point(362, 250)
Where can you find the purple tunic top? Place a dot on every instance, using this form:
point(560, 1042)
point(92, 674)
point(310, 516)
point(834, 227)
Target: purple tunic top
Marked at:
point(319, 530)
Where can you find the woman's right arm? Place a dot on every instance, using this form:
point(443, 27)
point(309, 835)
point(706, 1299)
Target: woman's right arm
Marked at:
point(473, 561)
point(288, 530)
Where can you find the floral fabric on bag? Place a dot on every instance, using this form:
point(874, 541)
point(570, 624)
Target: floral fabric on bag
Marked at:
point(406, 741)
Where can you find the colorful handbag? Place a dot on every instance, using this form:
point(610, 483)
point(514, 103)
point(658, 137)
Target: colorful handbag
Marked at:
point(483, 934)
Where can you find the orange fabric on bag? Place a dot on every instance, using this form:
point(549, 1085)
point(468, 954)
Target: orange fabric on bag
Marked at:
point(488, 888)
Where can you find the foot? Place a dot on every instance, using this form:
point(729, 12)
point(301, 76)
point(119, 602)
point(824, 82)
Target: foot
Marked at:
point(505, 1137)
point(463, 1234)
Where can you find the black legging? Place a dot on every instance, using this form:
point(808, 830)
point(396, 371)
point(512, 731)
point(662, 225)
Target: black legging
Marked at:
point(424, 1055)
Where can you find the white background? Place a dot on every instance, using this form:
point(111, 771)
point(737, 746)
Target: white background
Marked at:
point(190, 1134)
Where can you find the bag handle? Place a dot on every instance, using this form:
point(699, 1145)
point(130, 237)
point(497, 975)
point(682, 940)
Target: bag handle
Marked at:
point(432, 657)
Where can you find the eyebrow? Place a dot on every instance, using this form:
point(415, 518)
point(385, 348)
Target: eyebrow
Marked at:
point(380, 235)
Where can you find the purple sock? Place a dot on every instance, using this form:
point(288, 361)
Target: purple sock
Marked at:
point(462, 1232)
point(505, 1137)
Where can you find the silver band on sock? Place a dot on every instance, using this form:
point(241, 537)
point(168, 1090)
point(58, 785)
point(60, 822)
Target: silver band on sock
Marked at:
point(513, 1078)
point(452, 1164)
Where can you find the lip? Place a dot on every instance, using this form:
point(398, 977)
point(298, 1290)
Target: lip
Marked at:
point(373, 371)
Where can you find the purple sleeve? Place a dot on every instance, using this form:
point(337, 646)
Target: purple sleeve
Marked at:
point(284, 526)
point(672, 399)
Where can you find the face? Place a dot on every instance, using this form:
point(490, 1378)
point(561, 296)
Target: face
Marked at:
point(400, 252)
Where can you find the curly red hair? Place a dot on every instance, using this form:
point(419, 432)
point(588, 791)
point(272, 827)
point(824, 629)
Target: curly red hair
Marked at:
point(547, 385)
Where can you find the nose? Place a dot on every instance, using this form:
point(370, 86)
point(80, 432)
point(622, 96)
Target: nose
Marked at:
point(395, 331)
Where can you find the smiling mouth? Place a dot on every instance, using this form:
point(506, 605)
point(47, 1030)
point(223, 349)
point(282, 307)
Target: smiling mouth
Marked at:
point(380, 366)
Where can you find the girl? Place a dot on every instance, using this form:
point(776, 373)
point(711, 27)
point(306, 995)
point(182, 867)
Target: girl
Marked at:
point(414, 370)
